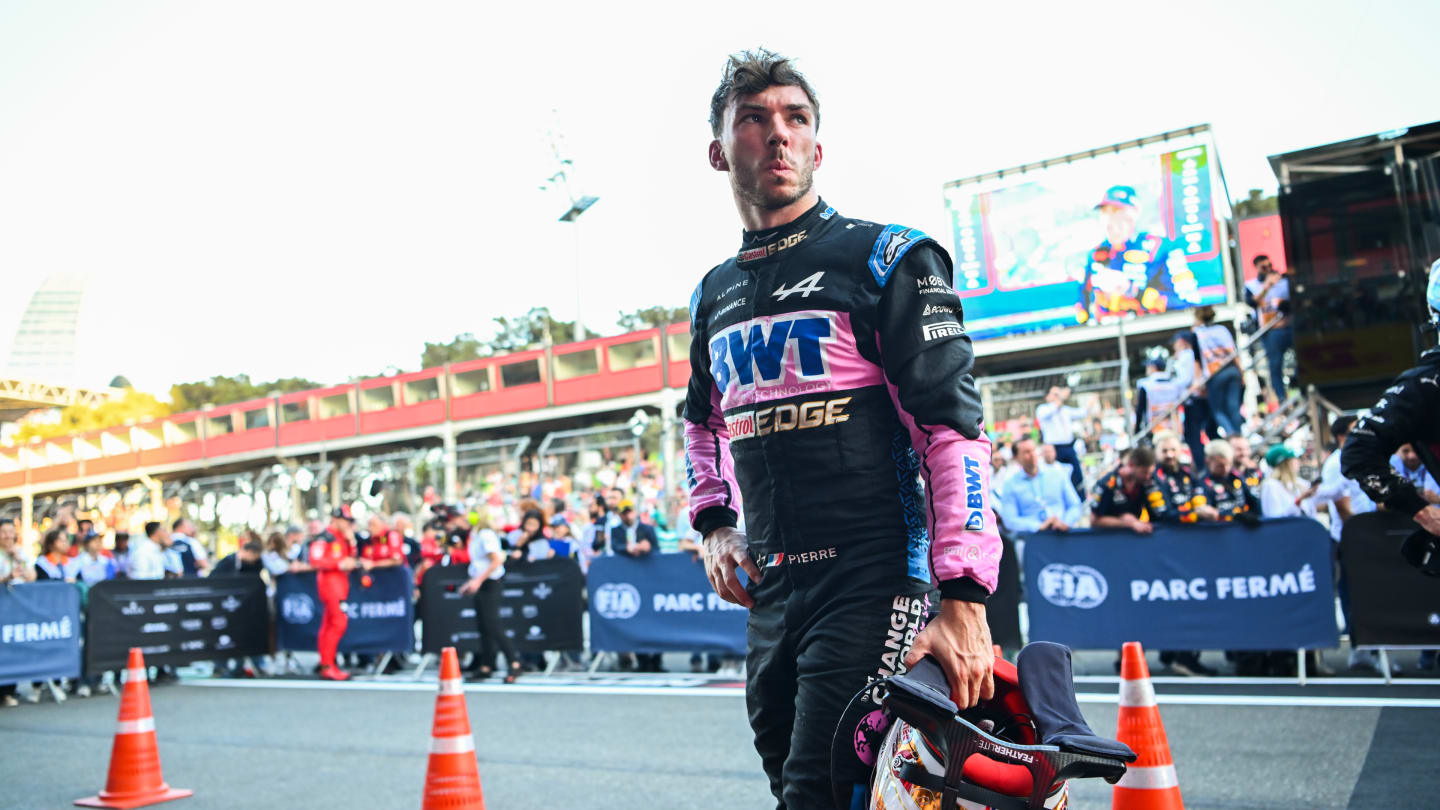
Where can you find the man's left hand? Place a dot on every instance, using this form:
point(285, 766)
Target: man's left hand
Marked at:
point(959, 638)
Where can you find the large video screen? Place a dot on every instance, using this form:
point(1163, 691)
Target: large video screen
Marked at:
point(1117, 234)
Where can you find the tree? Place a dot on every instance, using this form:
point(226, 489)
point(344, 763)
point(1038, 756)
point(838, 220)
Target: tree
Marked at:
point(133, 407)
point(465, 346)
point(222, 390)
point(1256, 204)
point(528, 331)
point(652, 318)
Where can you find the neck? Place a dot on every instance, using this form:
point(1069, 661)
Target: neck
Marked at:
point(1031, 470)
point(759, 218)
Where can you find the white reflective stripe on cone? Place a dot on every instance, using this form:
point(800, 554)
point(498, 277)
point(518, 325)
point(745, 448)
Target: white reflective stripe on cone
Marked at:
point(135, 675)
point(1137, 693)
point(462, 744)
point(451, 686)
point(140, 726)
point(1153, 778)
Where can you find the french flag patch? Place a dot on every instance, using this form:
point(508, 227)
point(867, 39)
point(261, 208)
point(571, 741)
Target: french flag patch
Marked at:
point(774, 560)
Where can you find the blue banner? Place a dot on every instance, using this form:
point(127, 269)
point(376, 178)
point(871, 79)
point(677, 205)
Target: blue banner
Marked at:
point(382, 616)
point(39, 632)
point(660, 603)
point(1189, 586)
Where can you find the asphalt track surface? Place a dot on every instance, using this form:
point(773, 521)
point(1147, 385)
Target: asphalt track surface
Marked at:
point(676, 742)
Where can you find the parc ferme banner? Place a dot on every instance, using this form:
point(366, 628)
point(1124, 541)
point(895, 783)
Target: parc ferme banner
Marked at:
point(382, 617)
point(39, 632)
point(660, 603)
point(1188, 586)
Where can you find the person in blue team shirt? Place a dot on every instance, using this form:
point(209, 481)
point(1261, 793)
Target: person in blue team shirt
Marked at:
point(1132, 270)
point(1038, 498)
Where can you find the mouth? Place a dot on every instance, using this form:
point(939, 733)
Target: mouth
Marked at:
point(778, 166)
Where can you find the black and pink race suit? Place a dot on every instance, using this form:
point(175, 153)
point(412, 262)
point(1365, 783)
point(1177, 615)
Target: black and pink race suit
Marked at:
point(830, 376)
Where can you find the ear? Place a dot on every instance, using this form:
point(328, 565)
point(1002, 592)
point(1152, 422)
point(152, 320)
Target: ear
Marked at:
point(717, 157)
point(819, 154)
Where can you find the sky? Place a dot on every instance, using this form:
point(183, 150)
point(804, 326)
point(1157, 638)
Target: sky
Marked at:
point(315, 189)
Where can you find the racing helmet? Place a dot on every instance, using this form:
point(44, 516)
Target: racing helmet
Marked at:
point(1002, 754)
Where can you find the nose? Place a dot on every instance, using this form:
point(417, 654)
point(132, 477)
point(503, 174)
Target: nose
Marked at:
point(779, 132)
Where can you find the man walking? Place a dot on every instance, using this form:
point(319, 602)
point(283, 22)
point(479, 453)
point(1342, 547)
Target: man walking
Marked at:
point(830, 370)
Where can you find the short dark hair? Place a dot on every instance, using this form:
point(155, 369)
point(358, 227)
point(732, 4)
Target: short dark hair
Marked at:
point(176, 524)
point(7, 521)
point(151, 527)
point(1141, 457)
point(51, 538)
point(253, 546)
point(749, 72)
point(1259, 257)
point(1341, 426)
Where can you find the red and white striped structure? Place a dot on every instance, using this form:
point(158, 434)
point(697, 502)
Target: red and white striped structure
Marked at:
point(452, 778)
point(135, 779)
point(1150, 783)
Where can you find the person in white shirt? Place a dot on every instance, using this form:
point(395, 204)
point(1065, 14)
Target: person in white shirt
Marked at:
point(1282, 493)
point(1342, 497)
point(487, 568)
point(147, 554)
point(1058, 423)
point(1408, 464)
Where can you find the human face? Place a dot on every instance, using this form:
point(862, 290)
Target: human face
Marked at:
point(1047, 452)
point(768, 146)
point(1169, 453)
point(62, 544)
point(1025, 454)
point(1241, 449)
point(1119, 223)
point(7, 536)
point(1264, 266)
point(1219, 466)
point(612, 498)
point(1134, 476)
point(377, 526)
point(1409, 457)
point(530, 526)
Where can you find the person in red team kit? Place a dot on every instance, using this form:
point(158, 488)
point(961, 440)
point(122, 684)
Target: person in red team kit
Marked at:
point(332, 555)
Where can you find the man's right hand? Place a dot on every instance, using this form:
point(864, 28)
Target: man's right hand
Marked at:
point(1429, 519)
point(727, 549)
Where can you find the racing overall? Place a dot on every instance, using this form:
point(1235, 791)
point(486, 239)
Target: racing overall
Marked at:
point(830, 372)
point(333, 584)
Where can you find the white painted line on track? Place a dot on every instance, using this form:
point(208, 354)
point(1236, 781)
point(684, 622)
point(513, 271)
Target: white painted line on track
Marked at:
point(1236, 681)
point(1322, 701)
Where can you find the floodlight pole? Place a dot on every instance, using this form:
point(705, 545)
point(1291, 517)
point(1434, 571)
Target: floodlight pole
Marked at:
point(578, 206)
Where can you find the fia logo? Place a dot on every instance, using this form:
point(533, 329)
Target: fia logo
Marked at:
point(744, 351)
point(805, 286)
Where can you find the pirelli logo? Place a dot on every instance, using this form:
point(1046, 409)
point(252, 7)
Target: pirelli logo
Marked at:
point(935, 331)
point(781, 418)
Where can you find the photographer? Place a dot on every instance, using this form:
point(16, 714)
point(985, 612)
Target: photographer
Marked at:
point(1269, 296)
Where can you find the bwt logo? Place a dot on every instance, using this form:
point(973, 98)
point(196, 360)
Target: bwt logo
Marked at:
point(617, 600)
point(746, 351)
point(974, 496)
point(297, 608)
point(1072, 585)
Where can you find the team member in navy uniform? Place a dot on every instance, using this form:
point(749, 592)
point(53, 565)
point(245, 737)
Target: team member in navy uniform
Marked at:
point(830, 370)
point(1226, 493)
point(1132, 270)
point(1176, 481)
point(1129, 498)
point(1409, 412)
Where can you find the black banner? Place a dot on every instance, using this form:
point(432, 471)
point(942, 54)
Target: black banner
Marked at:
point(540, 607)
point(175, 621)
point(1002, 609)
point(1392, 604)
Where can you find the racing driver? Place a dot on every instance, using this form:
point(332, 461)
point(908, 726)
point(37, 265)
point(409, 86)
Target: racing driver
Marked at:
point(830, 373)
point(332, 555)
point(1409, 412)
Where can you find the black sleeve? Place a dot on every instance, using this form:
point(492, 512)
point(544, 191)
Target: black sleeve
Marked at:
point(619, 541)
point(1158, 506)
point(926, 352)
point(1398, 418)
point(1104, 502)
point(1140, 402)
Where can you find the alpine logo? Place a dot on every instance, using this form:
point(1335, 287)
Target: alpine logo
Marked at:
point(805, 286)
point(974, 496)
point(935, 331)
point(761, 353)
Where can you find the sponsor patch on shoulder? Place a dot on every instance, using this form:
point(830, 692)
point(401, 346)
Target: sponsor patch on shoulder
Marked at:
point(890, 247)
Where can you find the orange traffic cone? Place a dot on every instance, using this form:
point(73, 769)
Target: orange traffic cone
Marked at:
point(452, 780)
point(1150, 783)
point(135, 779)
